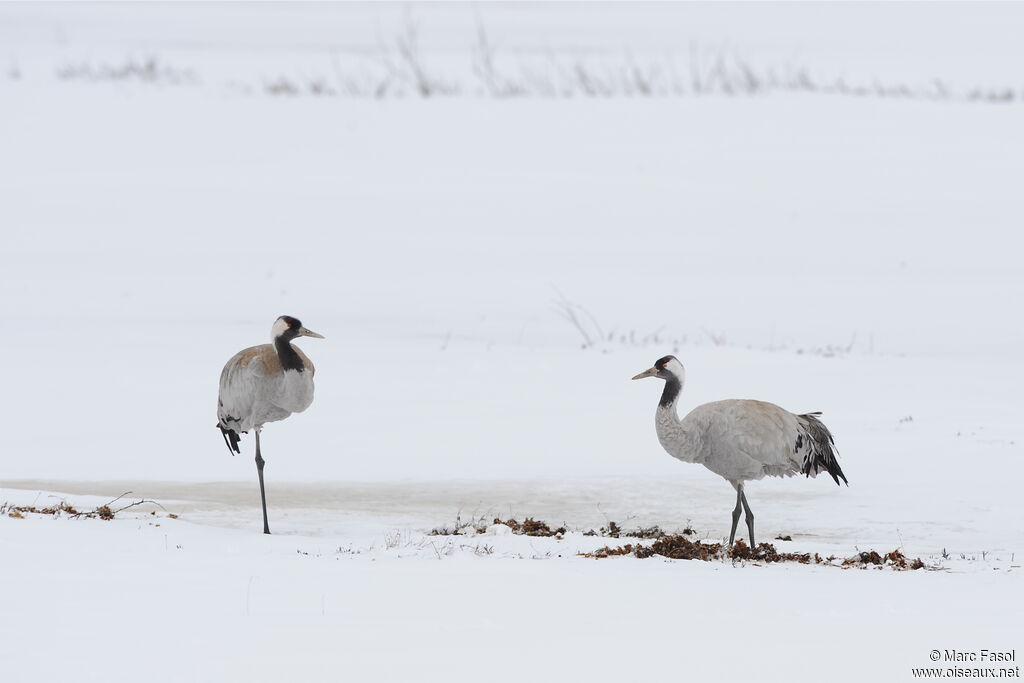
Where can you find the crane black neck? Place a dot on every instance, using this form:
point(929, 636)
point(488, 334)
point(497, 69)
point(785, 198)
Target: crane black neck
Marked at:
point(286, 353)
point(672, 388)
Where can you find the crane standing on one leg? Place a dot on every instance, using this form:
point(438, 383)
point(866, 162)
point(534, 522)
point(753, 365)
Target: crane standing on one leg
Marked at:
point(263, 384)
point(741, 440)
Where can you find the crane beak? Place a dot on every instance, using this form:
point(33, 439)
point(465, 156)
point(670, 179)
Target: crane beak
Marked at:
point(303, 332)
point(650, 372)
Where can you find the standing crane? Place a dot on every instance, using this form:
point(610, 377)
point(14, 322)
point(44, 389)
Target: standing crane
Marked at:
point(741, 440)
point(265, 383)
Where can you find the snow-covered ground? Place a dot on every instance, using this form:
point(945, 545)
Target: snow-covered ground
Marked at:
point(855, 255)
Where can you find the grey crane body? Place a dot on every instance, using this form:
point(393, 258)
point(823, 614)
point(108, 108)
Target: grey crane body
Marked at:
point(255, 388)
point(262, 384)
point(741, 440)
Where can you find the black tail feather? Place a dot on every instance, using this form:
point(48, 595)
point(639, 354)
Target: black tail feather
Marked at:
point(231, 438)
point(823, 455)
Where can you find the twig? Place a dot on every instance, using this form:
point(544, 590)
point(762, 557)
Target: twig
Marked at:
point(100, 510)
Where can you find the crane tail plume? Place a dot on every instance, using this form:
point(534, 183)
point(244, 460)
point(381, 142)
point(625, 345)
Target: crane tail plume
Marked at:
point(819, 448)
point(231, 438)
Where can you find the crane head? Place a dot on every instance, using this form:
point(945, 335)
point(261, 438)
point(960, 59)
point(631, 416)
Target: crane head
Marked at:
point(665, 368)
point(288, 328)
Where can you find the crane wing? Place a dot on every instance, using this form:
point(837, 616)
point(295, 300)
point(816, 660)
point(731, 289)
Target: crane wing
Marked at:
point(239, 387)
point(780, 443)
point(766, 435)
point(816, 448)
point(743, 439)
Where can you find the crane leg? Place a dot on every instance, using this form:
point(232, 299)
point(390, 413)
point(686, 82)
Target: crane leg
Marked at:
point(750, 517)
point(736, 513)
point(263, 493)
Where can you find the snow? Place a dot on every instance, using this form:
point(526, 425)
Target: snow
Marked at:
point(187, 599)
point(854, 255)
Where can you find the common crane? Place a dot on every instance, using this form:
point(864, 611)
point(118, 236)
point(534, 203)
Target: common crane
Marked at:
point(741, 440)
point(265, 383)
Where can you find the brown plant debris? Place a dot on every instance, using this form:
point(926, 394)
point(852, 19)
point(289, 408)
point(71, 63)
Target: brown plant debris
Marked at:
point(19, 511)
point(896, 559)
point(609, 552)
point(679, 547)
point(105, 512)
point(870, 557)
point(782, 537)
point(530, 527)
point(615, 530)
point(766, 552)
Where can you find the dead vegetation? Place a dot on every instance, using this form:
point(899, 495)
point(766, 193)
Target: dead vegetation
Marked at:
point(615, 530)
point(105, 512)
point(593, 335)
point(681, 548)
point(627, 549)
point(766, 552)
point(528, 527)
point(534, 527)
point(150, 70)
point(895, 559)
point(400, 68)
point(678, 546)
point(531, 527)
